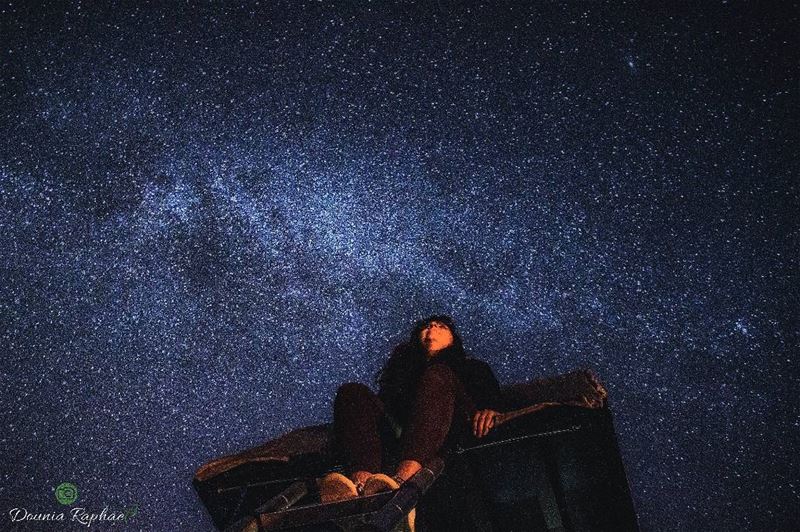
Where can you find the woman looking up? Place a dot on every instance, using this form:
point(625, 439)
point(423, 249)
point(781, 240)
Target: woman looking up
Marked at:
point(431, 396)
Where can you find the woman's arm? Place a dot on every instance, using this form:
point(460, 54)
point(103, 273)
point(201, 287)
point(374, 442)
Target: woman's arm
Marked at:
point(484, 387)
point(485, 392)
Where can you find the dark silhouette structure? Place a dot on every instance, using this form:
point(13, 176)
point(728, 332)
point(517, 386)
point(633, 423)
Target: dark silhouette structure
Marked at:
point(553, 468)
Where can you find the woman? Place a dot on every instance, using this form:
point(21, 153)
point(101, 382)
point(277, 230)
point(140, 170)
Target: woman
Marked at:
point(431, 395)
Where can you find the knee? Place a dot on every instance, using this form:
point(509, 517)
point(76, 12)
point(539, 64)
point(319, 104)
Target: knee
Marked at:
point(351, 393)
point(353, 388)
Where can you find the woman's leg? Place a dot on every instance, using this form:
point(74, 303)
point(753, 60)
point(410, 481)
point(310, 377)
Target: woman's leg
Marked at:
point(357, 415)
point(440, 396)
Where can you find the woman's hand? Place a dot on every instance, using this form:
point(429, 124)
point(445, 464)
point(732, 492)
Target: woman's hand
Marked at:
point(482, 422)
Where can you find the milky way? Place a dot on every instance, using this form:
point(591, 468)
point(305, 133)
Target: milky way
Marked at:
point(212, 216)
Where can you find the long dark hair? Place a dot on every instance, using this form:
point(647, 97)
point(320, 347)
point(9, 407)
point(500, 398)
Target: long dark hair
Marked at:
point(397, 381)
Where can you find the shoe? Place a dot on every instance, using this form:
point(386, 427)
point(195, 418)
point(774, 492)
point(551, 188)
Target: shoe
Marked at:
point(336, 487)
point(378, 483)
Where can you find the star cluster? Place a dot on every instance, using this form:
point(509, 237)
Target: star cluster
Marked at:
point(214, 214)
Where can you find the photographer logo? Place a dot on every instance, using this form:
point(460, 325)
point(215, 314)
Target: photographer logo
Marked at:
point(66, 493)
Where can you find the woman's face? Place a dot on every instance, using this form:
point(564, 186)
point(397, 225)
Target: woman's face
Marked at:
point(435, 337)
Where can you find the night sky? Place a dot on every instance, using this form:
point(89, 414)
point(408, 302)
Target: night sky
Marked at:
point(214, 215)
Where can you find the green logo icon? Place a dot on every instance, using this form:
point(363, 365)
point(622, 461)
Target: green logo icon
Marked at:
point(66, 493)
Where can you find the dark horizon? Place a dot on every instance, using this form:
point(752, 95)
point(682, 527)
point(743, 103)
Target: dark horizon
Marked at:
point(214, 215)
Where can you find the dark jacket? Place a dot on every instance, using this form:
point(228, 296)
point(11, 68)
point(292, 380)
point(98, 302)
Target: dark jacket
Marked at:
point(398, 382)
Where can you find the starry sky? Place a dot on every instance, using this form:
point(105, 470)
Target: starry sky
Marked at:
point(213, 214)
